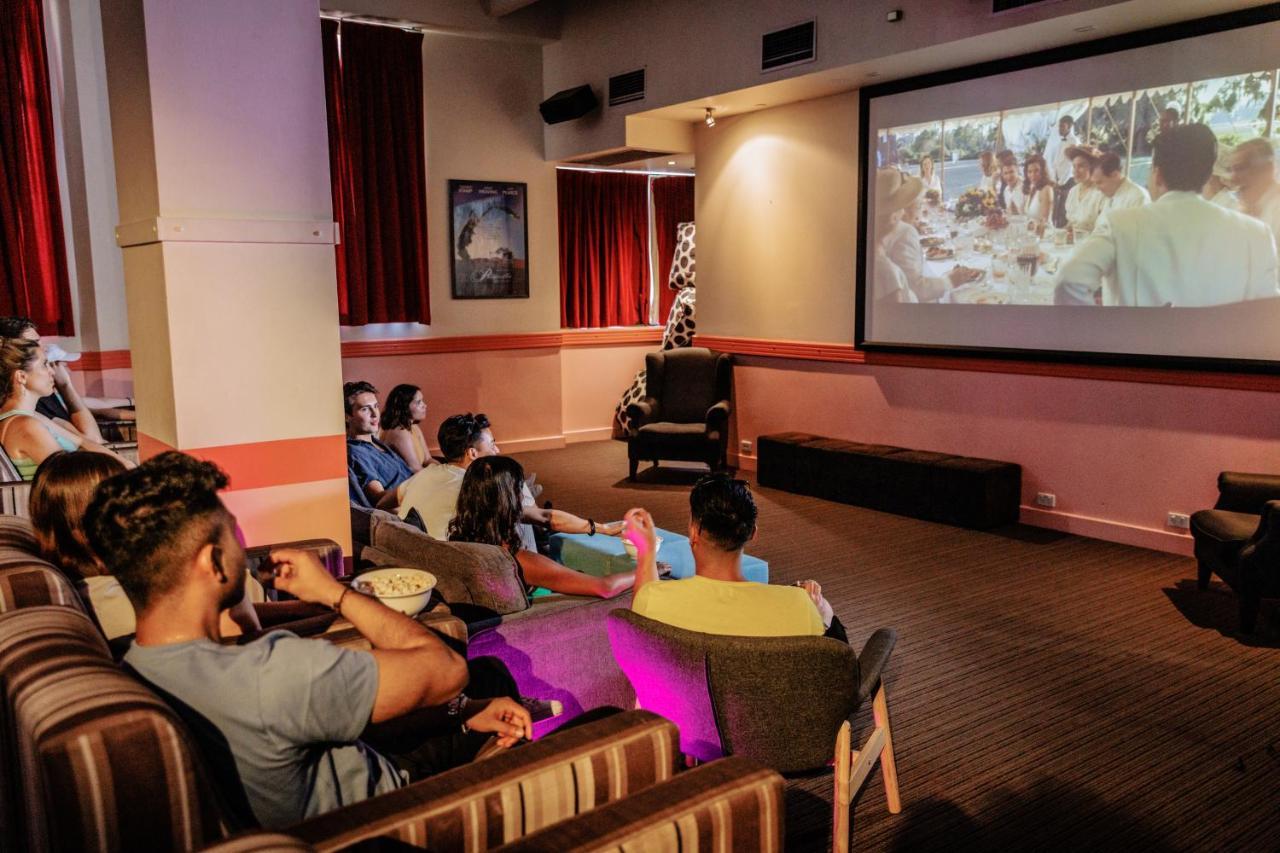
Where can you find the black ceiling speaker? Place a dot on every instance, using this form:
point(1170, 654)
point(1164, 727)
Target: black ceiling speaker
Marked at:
point(568, 105)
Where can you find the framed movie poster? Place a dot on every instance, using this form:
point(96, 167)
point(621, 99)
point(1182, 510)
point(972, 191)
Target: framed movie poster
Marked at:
point(489, 239)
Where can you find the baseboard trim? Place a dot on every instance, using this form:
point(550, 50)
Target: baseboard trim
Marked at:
point(1109, 531)
point(741, 462)
point(518, 445)
point(578, 436)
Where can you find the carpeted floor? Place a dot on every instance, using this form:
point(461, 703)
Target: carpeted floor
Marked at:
point(1046, 692)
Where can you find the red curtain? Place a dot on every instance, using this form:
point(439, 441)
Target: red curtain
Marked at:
point(604, 248)
point(672, 204)
point(377, 159)
point(33, 257)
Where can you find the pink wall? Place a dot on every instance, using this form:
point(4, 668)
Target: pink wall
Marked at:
point(1117, 455)
point(536, 398)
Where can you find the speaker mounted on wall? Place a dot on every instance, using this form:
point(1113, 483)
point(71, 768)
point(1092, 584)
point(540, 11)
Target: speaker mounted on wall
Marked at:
point(568, 105)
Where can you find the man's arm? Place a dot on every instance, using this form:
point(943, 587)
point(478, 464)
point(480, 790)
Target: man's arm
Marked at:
point(415, 668)
point(1083, 273)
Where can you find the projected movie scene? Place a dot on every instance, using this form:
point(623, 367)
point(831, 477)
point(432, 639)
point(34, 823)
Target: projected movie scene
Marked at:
point(1001, 208)
point(1141, 179)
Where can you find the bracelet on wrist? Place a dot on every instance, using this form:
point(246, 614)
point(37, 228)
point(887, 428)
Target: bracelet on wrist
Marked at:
point(337, 605)
point(591, 527)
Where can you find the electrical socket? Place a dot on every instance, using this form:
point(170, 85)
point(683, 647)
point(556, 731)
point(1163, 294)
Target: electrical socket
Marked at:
point(1046, 499)
point(745, 447)
point(1179, 519)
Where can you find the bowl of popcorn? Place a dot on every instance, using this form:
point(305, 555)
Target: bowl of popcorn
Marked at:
point(402, 589)
point(631, 548)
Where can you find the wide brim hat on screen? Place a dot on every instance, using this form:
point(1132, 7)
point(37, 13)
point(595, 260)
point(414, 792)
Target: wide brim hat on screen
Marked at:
point(56, 353)
point(894, 191)
point(1222, 166)
point(1086, 151)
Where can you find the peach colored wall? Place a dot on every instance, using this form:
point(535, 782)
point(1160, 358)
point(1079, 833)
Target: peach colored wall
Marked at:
point(1118, 455)
point(536, 398)
point(594, 380)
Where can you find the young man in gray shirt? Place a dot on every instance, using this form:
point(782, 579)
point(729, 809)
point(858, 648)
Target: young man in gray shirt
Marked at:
point(290, 711)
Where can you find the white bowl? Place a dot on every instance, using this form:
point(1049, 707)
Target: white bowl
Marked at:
point(631, 548)
point(408, 603)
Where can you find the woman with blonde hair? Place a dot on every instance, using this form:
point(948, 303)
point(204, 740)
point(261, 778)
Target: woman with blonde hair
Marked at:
point(26, 435)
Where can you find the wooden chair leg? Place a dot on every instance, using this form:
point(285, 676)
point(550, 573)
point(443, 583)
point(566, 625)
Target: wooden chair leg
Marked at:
point(843, 795)
point(633, 464)
point(888, 764)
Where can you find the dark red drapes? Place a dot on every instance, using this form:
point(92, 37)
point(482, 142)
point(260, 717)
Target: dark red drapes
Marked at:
point(672, 204)
point(604, 248)
point(33, 255)
point(377, 158)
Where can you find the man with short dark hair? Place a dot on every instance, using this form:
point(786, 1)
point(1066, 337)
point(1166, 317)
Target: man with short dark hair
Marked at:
point(1180, 250)
point(377, 469)
point(1055, 152)
point(718, 599)
point(291, 711)
point(1119, 193)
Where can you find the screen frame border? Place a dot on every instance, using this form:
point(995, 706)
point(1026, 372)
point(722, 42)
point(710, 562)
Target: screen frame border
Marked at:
point(1239, 19)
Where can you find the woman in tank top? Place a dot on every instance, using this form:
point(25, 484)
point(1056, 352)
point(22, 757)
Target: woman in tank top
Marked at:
point(27, 436)
point(405, 409)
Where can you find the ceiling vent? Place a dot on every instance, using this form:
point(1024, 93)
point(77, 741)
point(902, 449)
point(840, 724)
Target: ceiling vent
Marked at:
point(792, 46)
point(617, 157)
point(998, 6)
point(625, 88)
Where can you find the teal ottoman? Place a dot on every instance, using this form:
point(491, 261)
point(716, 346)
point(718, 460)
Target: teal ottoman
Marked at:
point(605, 555)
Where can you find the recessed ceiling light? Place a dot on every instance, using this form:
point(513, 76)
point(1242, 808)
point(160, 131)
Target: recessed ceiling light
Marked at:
point(671, 162)
point(761, 105)
point(1087, 28)
point(873, 73)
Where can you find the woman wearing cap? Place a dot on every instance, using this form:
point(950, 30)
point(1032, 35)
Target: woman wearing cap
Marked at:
point(26, 435)
point(900, 242)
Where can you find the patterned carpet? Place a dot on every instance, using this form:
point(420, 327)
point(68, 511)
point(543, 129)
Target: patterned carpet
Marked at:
point(1047, 691)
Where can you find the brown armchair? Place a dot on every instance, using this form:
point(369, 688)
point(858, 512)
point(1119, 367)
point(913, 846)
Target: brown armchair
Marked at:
point(685, 415)
point(1239, 540)
point(786, 702)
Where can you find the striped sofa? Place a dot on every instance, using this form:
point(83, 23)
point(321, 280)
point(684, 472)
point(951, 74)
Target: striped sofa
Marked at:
point(90, 758)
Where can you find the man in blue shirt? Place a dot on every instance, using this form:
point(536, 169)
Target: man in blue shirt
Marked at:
point(290, 711)
point(377, 469)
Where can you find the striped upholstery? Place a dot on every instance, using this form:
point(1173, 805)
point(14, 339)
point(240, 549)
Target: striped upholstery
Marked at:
point(103, 762)
point(16, 532)
point(27, 581)
point(343, 633)
point(261, 842)
point(482, 805)
point(732, 804)
point(14, 491)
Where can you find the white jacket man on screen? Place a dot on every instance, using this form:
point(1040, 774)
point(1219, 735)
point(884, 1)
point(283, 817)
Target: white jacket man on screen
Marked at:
point(1180, 250)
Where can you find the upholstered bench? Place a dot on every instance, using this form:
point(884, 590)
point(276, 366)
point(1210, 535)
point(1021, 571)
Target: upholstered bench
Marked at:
point(606, 555)
point(960, 490)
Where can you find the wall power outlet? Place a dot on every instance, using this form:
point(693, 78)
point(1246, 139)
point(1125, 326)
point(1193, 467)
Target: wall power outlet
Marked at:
point(1046, 499)
point(745, 447)
point(1179, 520)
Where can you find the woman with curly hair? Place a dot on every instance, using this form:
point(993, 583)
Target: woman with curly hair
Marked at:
point(1037, 190)
point(405, 409)
point(489, 512)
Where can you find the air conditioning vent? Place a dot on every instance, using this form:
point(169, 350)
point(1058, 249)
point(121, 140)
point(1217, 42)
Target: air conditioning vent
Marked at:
point(791, 46)
point(625, 88)
point(998, 6)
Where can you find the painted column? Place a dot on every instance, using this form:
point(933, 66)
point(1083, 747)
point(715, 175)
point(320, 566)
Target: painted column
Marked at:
point(222, 172)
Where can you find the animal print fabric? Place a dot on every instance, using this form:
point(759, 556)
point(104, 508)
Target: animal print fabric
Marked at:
point(681, 326)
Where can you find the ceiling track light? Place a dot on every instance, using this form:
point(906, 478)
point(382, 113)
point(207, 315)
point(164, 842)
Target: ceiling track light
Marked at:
point(710, 119)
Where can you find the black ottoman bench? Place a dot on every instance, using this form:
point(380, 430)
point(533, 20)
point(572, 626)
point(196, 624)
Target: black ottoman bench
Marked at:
point(968, 492)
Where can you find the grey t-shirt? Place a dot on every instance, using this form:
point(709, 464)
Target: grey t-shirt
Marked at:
point(291, 711)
